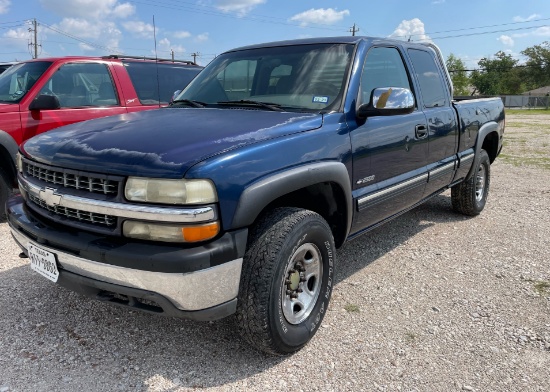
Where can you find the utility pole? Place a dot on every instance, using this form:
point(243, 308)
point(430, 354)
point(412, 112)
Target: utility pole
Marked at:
point(195, 55)
point(353, 30)
point(34, 43)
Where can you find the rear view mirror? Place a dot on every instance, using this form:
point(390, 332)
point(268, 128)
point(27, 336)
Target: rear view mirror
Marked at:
point(387, 101)
point(45, 102)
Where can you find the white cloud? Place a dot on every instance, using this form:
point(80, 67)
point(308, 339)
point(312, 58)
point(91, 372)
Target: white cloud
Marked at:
point(319, 16)
point(4, 6)
point(85, 47)
point(528, 19)
point(240, 7)
point(438, 1)
point(139, 28)
point(105, 33)
point(181, 34)
point(89, 9)
point(542, 31)
point(506, 40)
point(165, 46)
point(202, 37)
point(413, 29)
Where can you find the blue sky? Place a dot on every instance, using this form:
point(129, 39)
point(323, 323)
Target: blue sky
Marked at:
point(469, 29)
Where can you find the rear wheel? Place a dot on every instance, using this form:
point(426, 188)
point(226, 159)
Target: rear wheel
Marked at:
point(286, 281)
point(469, 197)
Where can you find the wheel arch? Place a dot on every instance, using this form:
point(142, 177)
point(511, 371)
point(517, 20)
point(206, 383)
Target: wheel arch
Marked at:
point(8, 150)
point(487, 139)
point(322, 187)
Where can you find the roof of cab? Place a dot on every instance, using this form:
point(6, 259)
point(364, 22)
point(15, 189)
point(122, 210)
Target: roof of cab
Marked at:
point(323, 40)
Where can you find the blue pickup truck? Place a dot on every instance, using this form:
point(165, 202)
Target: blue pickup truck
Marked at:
point(234, 199)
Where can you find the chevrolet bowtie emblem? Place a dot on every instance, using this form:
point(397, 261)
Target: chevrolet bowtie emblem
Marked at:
point(49, 196)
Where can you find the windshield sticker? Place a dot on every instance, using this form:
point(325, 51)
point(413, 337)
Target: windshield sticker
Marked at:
point(319, 99)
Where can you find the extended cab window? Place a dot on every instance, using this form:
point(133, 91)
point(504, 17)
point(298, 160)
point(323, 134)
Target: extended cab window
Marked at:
point(152, 83)
point(383, 68)
point(18, 80)
point(82, 84)
point(429, 78)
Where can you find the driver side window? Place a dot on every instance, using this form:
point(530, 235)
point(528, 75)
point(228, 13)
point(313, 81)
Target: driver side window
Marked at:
point(383, 68)
point(82, 85)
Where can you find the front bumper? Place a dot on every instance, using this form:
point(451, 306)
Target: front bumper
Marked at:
point(184, 282)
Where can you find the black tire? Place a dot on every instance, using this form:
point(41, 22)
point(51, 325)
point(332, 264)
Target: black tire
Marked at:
point(5, 191)
point(289, 250)
point(469, 197)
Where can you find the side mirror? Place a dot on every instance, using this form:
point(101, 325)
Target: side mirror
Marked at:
point(45, 102)
point(176, 93)
point(387, 101)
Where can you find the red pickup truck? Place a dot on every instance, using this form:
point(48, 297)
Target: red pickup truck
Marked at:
point(42, 94)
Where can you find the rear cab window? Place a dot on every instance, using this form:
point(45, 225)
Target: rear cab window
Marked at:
point(157, 85)
point(432, 89)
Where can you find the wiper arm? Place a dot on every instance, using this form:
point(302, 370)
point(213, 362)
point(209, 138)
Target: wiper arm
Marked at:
point(247, 102)
point(190, 102)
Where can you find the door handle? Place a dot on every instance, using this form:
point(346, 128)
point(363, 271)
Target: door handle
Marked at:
point(421, 131)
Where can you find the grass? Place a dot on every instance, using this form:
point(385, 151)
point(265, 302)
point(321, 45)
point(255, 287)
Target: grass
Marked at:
point(542, 287)
point(530, 112)
point(518, 161)
point(352, 308)
point(410, 337)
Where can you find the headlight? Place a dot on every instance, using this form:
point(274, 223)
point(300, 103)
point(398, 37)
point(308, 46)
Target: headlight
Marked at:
point(170, 233)
point(19, 162)
point(152, 190)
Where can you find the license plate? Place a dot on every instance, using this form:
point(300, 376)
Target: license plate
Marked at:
point(43, 262)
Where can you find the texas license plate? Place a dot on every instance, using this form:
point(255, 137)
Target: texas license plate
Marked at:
point(43, 262)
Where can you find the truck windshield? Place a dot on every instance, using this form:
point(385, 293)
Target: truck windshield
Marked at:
point(299, 77)
point(18, 80)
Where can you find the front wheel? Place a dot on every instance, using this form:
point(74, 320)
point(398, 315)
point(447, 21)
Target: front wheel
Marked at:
point(469, 197)
point(286, 281)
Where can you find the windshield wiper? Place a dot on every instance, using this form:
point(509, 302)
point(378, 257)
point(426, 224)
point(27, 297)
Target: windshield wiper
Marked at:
point(247, 102)
point(190, 102)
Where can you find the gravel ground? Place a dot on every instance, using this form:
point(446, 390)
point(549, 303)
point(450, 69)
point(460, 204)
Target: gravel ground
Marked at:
point(431, 301)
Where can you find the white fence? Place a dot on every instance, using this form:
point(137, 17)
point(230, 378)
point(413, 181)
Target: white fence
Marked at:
point(526, 101)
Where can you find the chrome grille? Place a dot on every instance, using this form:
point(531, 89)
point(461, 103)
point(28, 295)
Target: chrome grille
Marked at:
point(69, 180)
point(71, 213)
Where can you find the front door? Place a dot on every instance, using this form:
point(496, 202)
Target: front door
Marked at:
point(389, 152)
point(81, 88)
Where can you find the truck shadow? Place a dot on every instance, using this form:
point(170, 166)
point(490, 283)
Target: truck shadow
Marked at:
point(365, 249)
point(57, 332)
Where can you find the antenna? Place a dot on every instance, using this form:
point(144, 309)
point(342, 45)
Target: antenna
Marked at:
point(156, 58)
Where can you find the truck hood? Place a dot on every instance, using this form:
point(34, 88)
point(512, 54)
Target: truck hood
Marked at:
point(161, 143)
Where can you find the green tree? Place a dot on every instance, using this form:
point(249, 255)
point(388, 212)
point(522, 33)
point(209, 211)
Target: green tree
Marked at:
point(498, 75)
point(459, 75)
point(538, 65)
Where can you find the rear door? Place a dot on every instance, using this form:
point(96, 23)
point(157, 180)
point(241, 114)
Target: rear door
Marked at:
point(389, 152)
point(85, 90)
point(440, 117)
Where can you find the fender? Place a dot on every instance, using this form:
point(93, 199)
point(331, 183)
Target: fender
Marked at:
point(9, 144)
point(485, 129)
point(259, 194)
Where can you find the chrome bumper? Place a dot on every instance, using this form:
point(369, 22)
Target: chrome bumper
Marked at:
point(189, 292)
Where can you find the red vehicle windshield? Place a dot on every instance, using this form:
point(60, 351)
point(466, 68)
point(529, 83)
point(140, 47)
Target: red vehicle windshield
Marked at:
point(18, 80)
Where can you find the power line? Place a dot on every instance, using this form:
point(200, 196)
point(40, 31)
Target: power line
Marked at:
point(92, 44)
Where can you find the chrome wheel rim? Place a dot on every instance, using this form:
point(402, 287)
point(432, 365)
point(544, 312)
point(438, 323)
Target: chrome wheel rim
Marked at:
point(302, 283)
point(480, 182)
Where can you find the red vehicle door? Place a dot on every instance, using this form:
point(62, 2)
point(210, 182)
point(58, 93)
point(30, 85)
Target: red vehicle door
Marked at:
point(85, 90)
